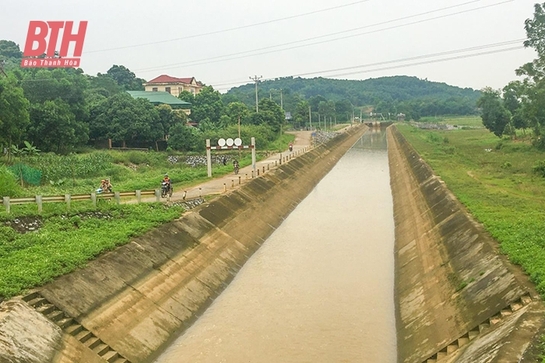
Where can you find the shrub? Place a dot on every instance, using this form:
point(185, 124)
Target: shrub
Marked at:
point(539, 168)
point(8, 183)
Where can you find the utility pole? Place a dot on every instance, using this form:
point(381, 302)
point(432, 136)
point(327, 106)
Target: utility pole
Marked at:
point(256, 80)
point(310, 117)
point(281, 101)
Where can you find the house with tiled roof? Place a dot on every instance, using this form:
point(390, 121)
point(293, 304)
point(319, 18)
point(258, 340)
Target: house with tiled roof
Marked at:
point(173, 85)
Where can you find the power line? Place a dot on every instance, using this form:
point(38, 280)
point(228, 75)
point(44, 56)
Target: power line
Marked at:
point(432, 61)
point(232, 29)
point(267, 50)
point(420, 56)
point(398, 61)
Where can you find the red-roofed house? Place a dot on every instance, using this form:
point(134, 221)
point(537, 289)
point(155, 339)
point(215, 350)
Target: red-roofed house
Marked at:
point(173, 85)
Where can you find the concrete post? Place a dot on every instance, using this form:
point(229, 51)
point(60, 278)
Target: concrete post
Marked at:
point(5, 200)
point(117, 197)
point(39, 203)
point(67, 199)
point(157, 195)
point(94, 199)
point(138, 196)
point(208, 158)
point(252, 145)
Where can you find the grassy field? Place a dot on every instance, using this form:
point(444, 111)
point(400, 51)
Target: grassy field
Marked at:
point(495, 179)
point(61, 240)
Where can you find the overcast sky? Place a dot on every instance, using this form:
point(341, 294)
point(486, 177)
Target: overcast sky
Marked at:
point(223, 43)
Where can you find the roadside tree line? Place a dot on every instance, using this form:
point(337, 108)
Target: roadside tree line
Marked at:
point(520, 105)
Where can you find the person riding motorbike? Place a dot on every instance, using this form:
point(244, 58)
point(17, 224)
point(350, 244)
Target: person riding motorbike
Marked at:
point(166, 185)
point(105, 186)
point(235, 166)
point(291, 147)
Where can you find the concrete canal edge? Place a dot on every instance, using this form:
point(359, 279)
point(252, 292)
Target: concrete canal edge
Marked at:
point(129, 304)
point(457, 298)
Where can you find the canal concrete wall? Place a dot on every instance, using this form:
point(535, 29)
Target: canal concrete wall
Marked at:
point(129, 304)
point(458, 299)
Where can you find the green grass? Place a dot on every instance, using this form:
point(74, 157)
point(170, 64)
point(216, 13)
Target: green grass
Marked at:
point(495, 180)
point(67, 241)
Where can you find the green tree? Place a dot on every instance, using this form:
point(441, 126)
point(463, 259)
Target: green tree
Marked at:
point(10, 54)
point(270, 114)
point(187, 96)
point(69, 85)
point(301, 115)
point(126, 119)
point(533, 101)
point(14, 112)
point(125, 78)
point(167, 118)
point(494, 115)
point(207, 105)
point(183, 138)
point(237, 111)
point(53, 127)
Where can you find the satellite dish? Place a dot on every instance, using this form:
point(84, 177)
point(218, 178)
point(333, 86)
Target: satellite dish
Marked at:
point(230, 142)
point(238, 141)
point(221, 142)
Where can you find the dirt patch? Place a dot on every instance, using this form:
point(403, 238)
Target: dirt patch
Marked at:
point(25, 224)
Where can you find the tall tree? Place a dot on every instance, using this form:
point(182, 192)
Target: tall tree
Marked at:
point(125, 119)
point(270, 114)
point(53, 127)
point(207, 105)
point(125, 78)
point(14, 112)
point(494, 115)
point(533, 102)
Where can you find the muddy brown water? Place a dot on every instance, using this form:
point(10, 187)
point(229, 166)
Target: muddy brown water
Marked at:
point(321, 288)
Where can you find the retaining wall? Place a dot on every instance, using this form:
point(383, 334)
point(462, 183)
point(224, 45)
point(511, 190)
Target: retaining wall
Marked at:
point(127, 305)
point(457, 298)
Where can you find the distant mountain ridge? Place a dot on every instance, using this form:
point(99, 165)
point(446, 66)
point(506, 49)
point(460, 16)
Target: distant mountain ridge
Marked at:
point(397, 94)
point(363, 92)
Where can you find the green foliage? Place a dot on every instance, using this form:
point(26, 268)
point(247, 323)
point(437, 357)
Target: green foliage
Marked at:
point(409, 95)
point(55, 167)
point(494, 115)
point(8, 183)
point(499, 188)
point(69, 240)
point(125, 78)
point(54, 127)
point(207, 105)
point(184, 138)
point(123, 119)
point(539, 168)
point(14, 112)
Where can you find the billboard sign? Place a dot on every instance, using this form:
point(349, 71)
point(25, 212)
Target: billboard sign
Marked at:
point(48, 43)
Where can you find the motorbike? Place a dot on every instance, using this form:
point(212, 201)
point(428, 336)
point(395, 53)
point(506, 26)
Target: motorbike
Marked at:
point(291, 148)
point(236, 168)
point(166, 189)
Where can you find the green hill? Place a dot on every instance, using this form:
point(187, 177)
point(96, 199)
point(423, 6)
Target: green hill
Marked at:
point(386, 94)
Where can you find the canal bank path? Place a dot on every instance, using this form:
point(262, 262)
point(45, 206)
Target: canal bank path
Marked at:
point(229, 182)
